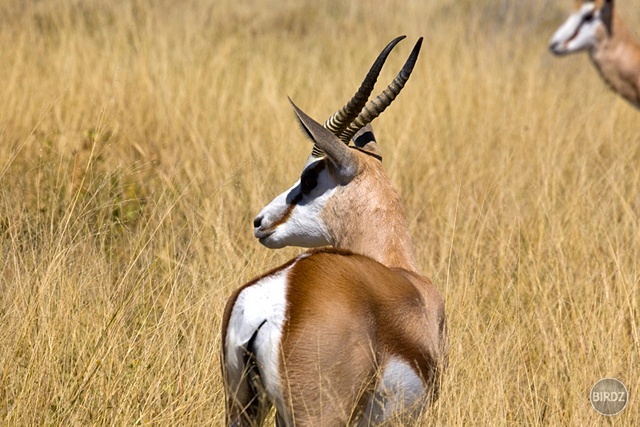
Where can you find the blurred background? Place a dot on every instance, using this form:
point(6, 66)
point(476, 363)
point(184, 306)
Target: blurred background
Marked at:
point(138, 139)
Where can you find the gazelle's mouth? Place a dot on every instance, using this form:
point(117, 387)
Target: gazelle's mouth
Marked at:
point(558, 48)
point(261, 234)
point(266, 240)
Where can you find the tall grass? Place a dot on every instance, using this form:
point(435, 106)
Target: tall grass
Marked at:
point(138, 139)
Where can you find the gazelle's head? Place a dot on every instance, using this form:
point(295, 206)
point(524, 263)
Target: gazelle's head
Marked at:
point(588, 25)
point(305, 214)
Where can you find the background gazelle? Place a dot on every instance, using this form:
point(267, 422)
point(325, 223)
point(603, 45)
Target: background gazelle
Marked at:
point(595, 27)
point(341, 335)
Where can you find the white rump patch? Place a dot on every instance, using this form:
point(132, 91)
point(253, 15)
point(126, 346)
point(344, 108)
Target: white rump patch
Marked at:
point(262, 303)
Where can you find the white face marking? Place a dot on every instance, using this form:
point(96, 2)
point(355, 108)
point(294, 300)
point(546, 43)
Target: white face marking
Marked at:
point(578, 32)
point(264, 300)
point(294, 217)
point(399, 390)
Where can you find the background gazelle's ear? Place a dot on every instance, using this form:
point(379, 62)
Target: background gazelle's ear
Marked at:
point(606, 15)
point(337, 153)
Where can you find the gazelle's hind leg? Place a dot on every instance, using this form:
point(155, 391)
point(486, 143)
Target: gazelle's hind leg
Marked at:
point(247, 404)
point(398, 396)
point(247, 401)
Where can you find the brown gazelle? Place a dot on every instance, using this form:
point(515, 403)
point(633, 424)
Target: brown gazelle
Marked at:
point(351, 334)
point(595, 27)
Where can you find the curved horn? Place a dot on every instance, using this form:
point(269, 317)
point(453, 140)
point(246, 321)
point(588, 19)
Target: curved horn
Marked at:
point(344, 116)
point(376, 106)
point(339, 121)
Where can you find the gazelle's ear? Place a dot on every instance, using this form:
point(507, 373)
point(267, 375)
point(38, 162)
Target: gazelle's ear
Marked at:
point(606, 14)
point(338, 154)
point(366, 140)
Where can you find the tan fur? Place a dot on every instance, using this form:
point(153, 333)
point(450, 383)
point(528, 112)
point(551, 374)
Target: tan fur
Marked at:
point(383, 233)
point(617, 59)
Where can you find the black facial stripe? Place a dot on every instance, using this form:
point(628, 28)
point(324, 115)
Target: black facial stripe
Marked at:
point(588, 17)
point(316, 169)
point(309, 177)
point(297, 199)
point(578, 28)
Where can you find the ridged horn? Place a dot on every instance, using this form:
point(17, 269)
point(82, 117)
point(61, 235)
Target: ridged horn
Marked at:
point(376, 106)
point(341, 119)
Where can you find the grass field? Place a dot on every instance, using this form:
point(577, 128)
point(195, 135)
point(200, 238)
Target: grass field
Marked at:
point(138, 139)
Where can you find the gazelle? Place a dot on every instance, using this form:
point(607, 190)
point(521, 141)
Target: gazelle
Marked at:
point(342, 335)
point(595, 27)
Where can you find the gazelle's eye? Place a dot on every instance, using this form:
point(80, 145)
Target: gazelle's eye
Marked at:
point(308, 182)
point(588, 17)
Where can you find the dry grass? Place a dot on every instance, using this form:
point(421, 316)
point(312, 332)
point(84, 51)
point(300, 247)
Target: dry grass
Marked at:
point(138, 139)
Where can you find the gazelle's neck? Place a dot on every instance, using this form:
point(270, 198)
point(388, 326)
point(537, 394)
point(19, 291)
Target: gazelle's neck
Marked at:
point(617, 59)
point(372, 222)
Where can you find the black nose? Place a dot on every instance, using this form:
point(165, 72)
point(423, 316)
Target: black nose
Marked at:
point(257, 222)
